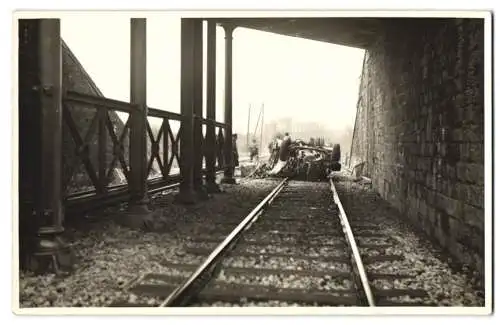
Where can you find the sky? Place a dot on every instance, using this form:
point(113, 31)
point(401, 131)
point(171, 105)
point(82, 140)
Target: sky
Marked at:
point(307, 80)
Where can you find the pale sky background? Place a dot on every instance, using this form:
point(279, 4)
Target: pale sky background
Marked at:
point(303, 79)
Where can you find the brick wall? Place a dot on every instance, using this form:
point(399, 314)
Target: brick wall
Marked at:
point(420, 128)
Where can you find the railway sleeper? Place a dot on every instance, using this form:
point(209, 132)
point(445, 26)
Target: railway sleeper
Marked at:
point(237, 293)
point(126, 304)
point(310, 235)
point(244, 245)
point(286, 244)
point(334, 259)
point(297, 225)
point(382, 258)
point(234, 292)
point(237, 271)
point(229, 271)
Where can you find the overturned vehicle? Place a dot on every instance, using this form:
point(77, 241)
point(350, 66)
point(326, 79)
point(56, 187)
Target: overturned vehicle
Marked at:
point(301, 161)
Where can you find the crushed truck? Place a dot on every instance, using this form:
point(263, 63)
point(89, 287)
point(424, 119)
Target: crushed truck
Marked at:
point(309, 162)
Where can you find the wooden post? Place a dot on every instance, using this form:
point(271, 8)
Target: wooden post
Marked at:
point(186, 191)
point(212, 186)
point(41, 238)
point(261, 132)
point(138, 212)
point(248, 126)
point(228, 108)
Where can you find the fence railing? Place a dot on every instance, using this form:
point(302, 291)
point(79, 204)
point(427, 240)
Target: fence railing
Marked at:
point(219, 132)
point(96, 133)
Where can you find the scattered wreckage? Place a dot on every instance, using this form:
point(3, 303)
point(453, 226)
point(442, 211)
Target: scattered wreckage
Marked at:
point(299, 160)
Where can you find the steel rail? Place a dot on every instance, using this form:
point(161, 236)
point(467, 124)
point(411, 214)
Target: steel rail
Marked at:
point(120, 192)
point(182, 289)
point(354, 248)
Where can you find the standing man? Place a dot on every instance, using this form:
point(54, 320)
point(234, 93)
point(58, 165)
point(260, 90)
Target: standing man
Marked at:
point(235, 152)
point(254, 150)
point(283, 154)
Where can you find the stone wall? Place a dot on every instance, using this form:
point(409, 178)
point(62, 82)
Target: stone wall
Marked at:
point(420, 128)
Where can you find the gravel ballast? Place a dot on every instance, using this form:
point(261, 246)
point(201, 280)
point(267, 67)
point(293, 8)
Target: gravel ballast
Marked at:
point(425, 262)
point(109, 255)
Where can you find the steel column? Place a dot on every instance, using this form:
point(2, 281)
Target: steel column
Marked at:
point(210, 152)
point(228, 107)
point(29, 133)
point(138, 211)
point(186, 190)
point(46, 250)
point(198, 109)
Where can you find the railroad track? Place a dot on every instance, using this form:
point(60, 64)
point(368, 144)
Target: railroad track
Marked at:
point(85, 202)
point(302, 249)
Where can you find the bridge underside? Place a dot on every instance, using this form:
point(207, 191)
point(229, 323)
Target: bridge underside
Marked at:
point(354, 32)
point(418, 133)
point(419, 130)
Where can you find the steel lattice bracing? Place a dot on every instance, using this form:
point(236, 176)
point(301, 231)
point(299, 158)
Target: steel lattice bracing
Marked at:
point(105, 159)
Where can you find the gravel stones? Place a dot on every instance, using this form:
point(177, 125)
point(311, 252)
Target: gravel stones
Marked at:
point(428, 270)
point(286, 263)
point(291, 281)
point(110, 256)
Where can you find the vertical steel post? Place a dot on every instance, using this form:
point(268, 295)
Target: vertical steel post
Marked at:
point(29, 133)
point(228, 107)
point(138, 211)
point(198, 109)
point(212, 187)
point(186, 191)
point(46, 249)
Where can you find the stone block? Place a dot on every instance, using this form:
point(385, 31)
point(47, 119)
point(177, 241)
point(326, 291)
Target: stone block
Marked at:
point(457, 135)
point(420, 176)
point(472, 152)
point(472, 238)
point(431, 214)
point(455, 226)
point(449, 205)
point(422, 207)
point(424, 163)
point(470, 172)
point(444, 223)
point(419, 191)
point(428, 195)
point(444, 186)
point(453, 153)
point(450, 172)
point(470, 194)
point(469, 133)
point(473, 216)
point(430, 181)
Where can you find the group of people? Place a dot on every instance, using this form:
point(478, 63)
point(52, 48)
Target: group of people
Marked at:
point(275, 146)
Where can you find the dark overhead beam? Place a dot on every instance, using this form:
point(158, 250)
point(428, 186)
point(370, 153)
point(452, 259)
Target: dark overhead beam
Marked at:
point(354, 32)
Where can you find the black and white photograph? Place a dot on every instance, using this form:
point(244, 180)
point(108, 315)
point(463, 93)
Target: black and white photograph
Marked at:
point(328, 162)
